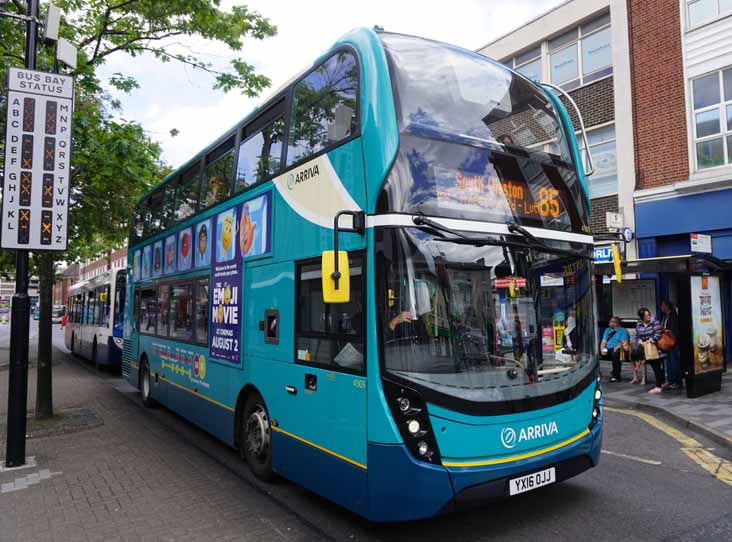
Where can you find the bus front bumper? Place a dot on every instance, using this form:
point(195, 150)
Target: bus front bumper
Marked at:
point(413, 489)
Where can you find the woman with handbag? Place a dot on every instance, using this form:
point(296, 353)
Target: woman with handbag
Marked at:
point(669, 344)
point(647, 333)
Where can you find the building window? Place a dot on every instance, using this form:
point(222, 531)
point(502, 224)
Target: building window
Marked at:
point(712, 103)
point(604, 182)
point(582, 55)
point(703, 11)
point(528, 64)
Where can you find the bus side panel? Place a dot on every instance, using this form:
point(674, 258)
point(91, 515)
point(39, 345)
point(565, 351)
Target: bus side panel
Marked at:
point(192, 385)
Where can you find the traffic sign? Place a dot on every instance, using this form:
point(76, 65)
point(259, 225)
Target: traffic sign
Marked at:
point(37, 160)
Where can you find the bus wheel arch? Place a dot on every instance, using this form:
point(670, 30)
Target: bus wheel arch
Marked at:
point(253, 432)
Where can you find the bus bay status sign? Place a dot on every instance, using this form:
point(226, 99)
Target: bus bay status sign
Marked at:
point(37, 160)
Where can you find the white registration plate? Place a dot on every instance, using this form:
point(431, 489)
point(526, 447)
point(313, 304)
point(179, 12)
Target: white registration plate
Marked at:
point(532, 481)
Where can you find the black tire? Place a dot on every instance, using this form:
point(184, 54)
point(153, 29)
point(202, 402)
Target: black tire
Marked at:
point(146, 385)
point(255, 442)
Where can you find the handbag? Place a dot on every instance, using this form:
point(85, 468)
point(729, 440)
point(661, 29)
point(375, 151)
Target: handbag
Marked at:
point(650, 351)
point(667, 342)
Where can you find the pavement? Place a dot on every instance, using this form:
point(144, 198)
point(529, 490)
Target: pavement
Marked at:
point(5, 343)
point(710, 414)
point(132, 473)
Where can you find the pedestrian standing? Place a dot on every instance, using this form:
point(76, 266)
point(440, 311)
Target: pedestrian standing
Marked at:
point(615, 342)
point(670, 322)
point(647, 332)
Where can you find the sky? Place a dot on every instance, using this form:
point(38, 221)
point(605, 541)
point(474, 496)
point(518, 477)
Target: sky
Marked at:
point(173, 96)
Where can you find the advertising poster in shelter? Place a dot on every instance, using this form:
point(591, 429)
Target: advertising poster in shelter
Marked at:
point(241, 232)
point(706, 315)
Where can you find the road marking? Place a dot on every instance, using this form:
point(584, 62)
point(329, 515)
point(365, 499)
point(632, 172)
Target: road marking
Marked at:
point(25, 481)
point(720, 468)
point(633, 457)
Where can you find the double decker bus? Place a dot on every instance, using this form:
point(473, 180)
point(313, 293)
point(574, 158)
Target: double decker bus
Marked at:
point(95, 314)
point(378, 284)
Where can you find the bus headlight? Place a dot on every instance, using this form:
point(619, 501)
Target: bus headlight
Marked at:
point(596, 404)
point(410, 414)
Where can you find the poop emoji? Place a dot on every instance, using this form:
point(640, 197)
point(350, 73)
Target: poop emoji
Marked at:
point(220, 314)
point(227, 232)
point(246, 231)
point(227, 295)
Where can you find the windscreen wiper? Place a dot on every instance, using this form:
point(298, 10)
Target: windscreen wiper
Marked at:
point(539, 244)
point(459, 237)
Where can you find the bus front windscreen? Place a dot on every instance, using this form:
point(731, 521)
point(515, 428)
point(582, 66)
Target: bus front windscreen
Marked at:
point(477, 142)
point(488, 325)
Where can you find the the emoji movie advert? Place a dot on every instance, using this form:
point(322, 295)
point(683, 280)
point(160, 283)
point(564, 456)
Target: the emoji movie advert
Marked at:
point(241, 232)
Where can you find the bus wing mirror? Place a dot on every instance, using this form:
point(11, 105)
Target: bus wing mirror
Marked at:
point(336, 283)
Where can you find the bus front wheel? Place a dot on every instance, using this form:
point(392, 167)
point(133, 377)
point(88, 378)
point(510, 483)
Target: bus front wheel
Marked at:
point(146, 385)
point(255, 446)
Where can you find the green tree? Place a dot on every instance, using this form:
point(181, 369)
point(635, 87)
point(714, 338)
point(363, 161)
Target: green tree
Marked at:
point(114, 162)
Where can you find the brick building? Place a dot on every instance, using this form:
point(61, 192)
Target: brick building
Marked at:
point(581, 45)
point(653, 80)
point(116, 259)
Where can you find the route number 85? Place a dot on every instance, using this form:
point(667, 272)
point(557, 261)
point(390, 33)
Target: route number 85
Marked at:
point(548, 203)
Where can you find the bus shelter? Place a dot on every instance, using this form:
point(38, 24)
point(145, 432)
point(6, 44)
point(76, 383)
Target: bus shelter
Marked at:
point(700, 287)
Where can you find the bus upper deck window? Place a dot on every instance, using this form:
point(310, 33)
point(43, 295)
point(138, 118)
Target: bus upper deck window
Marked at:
point(325, 107)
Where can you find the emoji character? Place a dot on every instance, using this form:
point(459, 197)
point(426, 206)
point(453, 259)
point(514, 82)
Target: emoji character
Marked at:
point(227, 295)
point(185, 244)
point(170, 257)
point(227, 232)
point(220, 314)
point(202, 238)
point(246, 231)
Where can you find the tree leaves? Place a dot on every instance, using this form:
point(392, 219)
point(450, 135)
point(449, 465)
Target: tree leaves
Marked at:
point(112, 161)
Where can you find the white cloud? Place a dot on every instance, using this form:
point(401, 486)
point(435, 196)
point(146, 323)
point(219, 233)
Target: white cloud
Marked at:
point(175, 96)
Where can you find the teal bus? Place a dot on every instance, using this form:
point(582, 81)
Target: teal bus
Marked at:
point(379, 285)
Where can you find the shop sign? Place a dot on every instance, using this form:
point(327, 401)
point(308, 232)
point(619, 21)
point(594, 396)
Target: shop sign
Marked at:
point(701, 243)
point(603, 254)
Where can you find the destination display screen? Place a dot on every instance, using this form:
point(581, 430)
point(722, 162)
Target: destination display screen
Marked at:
point(453, 180)
point(491, 193)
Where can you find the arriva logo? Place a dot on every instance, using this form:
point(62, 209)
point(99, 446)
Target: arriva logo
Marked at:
point(509, 437)
point(305, 174)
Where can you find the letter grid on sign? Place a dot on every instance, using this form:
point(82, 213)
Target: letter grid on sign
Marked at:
point(37, 160)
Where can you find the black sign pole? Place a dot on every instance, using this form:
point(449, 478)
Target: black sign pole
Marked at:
point(20, 314)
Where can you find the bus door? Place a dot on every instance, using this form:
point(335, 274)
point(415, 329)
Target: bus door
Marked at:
point(330, 380)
